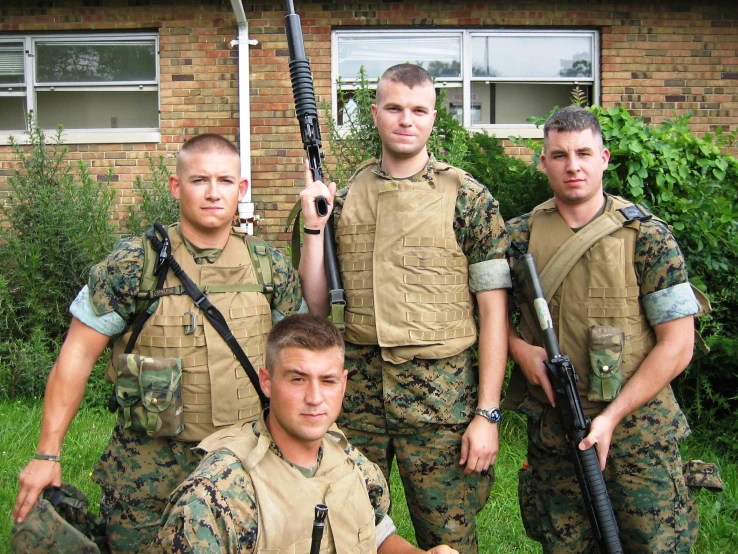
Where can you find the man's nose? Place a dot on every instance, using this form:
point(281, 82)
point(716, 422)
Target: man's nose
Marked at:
point(314, 393)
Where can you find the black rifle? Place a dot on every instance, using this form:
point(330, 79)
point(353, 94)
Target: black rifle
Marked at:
point(321, 511)
point(307, 115)
point(532, 302)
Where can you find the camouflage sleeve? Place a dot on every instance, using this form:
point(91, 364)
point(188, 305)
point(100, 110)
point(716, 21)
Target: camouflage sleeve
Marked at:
point(114, 282)
point(479, 228)
point(658, 261)
point(214, 510)
point(287, 298)
point(338, 202)
point(376, 485)
point(519, 237)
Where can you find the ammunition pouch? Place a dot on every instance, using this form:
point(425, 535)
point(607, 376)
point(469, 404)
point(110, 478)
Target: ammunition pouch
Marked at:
point(149, 394)
point(605, 356)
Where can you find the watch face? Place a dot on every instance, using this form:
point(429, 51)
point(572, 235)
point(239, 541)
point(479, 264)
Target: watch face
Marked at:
point(494, 415)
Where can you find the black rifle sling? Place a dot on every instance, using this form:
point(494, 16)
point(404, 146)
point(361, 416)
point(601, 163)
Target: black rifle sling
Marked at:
point(214, 316)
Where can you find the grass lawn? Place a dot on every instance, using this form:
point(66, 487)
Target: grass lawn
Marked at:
point(500, 528)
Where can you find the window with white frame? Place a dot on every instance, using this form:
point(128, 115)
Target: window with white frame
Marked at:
point(493, 78)
point(85, 83)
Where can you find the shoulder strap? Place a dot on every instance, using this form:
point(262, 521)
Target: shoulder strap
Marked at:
point(573, 249)
point(261, 259)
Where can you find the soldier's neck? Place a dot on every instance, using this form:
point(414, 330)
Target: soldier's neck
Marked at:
point(205, 238)
point(402, 168)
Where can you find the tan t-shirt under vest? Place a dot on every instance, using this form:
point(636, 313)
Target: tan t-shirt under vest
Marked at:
point(601, 289)
point(286, 499)
point(406, 278)
point(215, 388)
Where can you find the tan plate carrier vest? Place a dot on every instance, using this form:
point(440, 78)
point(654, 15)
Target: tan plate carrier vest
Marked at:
point(286, 499)
point(601, 289)
point(406, 279)
point(215, 388)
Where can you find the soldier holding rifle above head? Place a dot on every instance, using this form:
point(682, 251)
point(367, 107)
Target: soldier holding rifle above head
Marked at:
point(259, 485)
point(176, 379)
point(421, 249)
point(621, 304)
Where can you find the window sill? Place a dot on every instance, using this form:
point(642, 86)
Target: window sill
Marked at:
point(90, 136)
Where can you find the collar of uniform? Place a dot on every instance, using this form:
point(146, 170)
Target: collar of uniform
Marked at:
point(260, 428)
point(425, 174)
point(201, 255)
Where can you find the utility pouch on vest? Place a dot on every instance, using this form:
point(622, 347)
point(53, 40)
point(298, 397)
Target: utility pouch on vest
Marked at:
point(149, 394)
point(605, 355)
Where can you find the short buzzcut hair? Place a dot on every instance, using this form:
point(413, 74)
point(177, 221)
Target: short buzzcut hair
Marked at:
point(408, 74)
point(573, 118)
point(307, 331)
point(206, 143)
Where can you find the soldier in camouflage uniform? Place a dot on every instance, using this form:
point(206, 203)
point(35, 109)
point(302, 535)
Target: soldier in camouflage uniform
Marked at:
point(136, 471)
point(257, 487)
point(421, 244)
point(631, 287)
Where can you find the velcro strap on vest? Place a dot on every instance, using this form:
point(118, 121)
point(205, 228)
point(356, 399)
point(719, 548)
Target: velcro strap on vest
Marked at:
point(247, 413)
point(127, 417)
point(613, 311)
point(414, 261)
point(252, 287)
point(356, 230)
point(358, 266)
point(172, 342)
point(196, 399)
point(248, 311)
point(355, 247)
point(360, 301)
point(200, 378)
point(245, 392)
point(198, 417)
point(151, 419)
point(358, 319)
point(442, 335)
point(435, 280)
point(438, 317)
point(614, 292)
point(639, 345)
point(429, 242)
point(250, 331)
point(357, 284)
point(175, 320)
point(426, 298)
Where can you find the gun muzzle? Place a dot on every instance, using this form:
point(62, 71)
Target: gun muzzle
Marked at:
point(321, 511)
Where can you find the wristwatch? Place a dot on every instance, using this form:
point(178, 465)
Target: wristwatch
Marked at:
point(493, 416)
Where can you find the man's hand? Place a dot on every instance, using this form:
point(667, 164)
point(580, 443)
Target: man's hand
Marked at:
point(442, 549)
point(600, 434)
point(312, 190)
point(479, 445)
point(531, 360)
point(34, 478)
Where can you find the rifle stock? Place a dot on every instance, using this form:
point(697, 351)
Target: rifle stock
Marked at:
point(532, 302)
point(307, 115)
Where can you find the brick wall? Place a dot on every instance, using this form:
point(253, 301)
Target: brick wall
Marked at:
point(657, 58)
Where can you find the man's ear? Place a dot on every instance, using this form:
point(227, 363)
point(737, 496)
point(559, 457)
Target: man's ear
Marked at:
point(265, 382)
point(174, 186)
point(243, 187)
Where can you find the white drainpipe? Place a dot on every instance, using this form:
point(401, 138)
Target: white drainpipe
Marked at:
point(246, 206)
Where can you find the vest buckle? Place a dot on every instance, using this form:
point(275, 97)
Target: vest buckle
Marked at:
point(635, 212)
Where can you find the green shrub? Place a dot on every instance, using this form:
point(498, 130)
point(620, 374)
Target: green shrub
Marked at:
point(58, 219)
point(157, 203)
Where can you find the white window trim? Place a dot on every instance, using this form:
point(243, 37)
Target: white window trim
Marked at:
point(502, 131)
point(84, 136)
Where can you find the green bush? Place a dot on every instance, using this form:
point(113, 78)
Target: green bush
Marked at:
point(58, 219)
point(157, 203)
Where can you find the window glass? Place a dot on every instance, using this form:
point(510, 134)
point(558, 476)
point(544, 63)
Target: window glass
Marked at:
point(440, 56)
point(12, 113)
point(97, 109)
point(11, 63)
point(532, 57)
point(95, 62)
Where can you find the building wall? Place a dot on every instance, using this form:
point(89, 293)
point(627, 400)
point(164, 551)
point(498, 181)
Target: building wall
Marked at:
point(657, 59)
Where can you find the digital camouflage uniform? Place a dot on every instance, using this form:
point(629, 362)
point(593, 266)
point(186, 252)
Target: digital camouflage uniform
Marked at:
point(417, 411)
point(137, 472)
point(215, 509)
point(653, 506)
